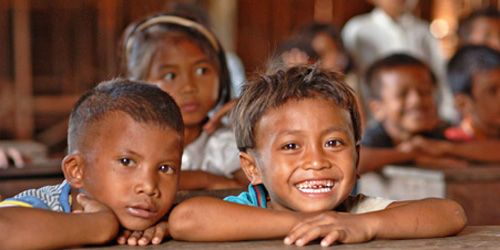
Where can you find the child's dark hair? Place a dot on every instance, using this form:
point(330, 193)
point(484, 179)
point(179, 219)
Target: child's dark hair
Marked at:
point(140, 41)
point(465, 25)
point(143, 102)
point(392, 61)
point(468, 61)
point(309, 31)
point(295, 83)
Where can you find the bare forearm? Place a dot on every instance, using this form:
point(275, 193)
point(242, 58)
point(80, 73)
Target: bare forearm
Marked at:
point(373, 159)
point(419, 219)
point(192, 180)
point(484, 151)
point(210, 219)
point(47, 229)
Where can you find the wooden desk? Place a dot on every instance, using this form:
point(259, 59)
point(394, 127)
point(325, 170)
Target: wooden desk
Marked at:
point(475, 188)
point(473, 237)
point(14, 180)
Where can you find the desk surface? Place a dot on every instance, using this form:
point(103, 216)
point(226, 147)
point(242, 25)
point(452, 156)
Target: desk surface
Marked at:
point(473, 237)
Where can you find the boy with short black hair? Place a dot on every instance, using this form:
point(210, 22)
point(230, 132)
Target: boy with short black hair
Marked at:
point(298, 133)
point(403, 93)
point(474, 76)
point(125, 143)
point(481, 27)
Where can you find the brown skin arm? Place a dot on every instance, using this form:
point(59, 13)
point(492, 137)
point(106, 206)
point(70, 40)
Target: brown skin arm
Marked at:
point(419, 219)
point(483, 151)
point(31, 228)
point(374, 159)
point(197, 179)
point(201, 219)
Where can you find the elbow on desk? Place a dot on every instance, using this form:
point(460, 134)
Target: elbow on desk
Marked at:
point(461, 217)
point(184, 221)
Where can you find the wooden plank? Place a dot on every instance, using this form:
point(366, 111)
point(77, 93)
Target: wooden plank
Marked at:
point(483, 237)
point(54, 105)
point(23, 70)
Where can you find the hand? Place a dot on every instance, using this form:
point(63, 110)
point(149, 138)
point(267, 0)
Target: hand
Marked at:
point(154, 235)
point(89, 205)
point(11, 154)
point(332, 227)
point(430, 146)
point(215, 121)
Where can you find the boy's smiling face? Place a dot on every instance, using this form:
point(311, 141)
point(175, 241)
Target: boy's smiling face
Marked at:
point(305, 155)
point(484, 104)
point(131, 167)
point(406, 105)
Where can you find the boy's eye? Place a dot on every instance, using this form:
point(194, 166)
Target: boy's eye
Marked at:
point(126, 161)
point(170, 76)
point(201, 70)
point(333, 143)
point(166, 169)
point(290, 146)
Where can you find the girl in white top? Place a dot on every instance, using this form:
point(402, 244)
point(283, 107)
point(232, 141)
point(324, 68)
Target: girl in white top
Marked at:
point(185, 59)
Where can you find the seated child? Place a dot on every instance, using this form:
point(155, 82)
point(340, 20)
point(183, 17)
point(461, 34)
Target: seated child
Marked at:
point(403, 103)
point(298, 134)
point(125, 144)
point(481, 27)
point(474, 76)
point(185, 60)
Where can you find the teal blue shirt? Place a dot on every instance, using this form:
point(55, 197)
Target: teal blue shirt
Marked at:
point(256, 196)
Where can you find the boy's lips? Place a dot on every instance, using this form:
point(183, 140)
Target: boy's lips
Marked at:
point(142, 210)
point(316, 186)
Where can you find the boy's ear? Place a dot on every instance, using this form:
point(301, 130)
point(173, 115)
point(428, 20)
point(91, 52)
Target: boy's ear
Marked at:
point(249, 166)
point(73, 167)
point(377, 109)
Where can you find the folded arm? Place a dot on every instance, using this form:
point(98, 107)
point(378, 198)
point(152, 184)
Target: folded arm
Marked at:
point(211, 219)
point(44, 229)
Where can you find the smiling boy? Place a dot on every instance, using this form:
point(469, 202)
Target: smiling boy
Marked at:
point(124, 151)
point(298, 133)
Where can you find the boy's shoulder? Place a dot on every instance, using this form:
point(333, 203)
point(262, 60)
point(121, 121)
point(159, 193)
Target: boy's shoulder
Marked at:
point(55, 198)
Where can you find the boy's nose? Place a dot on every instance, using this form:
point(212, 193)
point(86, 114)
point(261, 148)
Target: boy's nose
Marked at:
point(414, 97)
point(147, 183)
point(315, 159)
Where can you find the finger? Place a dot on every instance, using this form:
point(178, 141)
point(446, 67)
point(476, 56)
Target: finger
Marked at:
point(4, 162)
point(134, 238)
point(15, 155)
point(310, 235)
point(122, 239)
point(299, 231)
point(160, 233)
point(330, 238)
point(146, 237)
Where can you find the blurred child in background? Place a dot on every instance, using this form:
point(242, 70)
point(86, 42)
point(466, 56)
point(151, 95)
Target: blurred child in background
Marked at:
point(185, 59)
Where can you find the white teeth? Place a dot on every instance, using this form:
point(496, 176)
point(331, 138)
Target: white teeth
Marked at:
point(315, 186)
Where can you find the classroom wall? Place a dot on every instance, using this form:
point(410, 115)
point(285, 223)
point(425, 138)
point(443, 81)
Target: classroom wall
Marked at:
point(51, 51)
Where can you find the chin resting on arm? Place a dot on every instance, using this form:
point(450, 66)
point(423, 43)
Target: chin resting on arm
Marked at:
point(211, 219)
point(32, 228)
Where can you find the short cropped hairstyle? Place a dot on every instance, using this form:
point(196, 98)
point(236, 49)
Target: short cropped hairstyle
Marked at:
point(465, 25)
point(143, 102)
point(468, 61)
point(296, 83)
point(390, 62)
